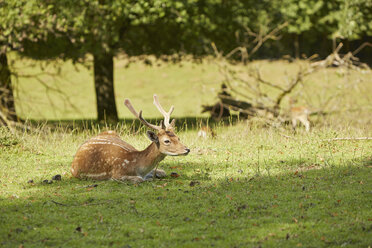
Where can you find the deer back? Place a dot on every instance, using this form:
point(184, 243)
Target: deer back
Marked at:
point(299, 111)
point(104, 156)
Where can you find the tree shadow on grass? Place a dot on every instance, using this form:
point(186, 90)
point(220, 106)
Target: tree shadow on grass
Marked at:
point(367, 162)
point(293, 162)
point(312, 208)
point(183, 175)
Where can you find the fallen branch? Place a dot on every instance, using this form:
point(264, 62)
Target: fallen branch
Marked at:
point(288, 137)
point(248, 92)
point(79, 205)
point(271, 35)
point(58, 203)
point(261, 80)
point(349, 138)
point(365, 44)
point(246, 50)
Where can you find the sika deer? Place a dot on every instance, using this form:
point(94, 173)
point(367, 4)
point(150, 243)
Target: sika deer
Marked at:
point(106, 156)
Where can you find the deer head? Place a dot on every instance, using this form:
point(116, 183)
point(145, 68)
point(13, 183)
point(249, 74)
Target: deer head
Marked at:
point(165, 139)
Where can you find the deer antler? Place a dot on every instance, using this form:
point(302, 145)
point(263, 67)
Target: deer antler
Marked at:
point(165, 114)
point(139, 116)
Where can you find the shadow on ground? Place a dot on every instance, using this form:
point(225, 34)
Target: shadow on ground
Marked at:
point(313, 208)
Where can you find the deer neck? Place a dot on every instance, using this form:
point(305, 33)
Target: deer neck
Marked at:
point(149, 158)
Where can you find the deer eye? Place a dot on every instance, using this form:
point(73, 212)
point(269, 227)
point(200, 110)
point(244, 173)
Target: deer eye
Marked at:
point(167, 141)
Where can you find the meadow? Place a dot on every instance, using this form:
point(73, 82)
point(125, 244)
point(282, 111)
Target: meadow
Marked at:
point(250, 186)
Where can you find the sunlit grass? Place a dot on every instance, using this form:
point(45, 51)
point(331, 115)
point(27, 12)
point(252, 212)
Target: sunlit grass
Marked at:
point(248, 186)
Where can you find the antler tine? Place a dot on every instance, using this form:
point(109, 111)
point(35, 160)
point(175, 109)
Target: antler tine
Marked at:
point(130, 107)
point(146, 123)
point(139, 116)
point(165, 114)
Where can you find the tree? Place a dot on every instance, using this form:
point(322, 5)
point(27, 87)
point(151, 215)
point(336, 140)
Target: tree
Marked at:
point(347, 20)
point(16, 28)
point(102, 28)
point(301, 17)
point(7, 107)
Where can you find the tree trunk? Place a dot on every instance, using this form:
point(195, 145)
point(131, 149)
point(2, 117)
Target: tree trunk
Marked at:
point(334, 44)
point(104, 84)
point(296, 46)
point(7, 107)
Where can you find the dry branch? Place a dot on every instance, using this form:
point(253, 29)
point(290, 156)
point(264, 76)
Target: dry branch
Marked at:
point(365, 44)
point(348, 138)
point(288, 137)
point(245, 93)
point(348, 60)
point(80, 205)
point(259, 40)
point(261, 80)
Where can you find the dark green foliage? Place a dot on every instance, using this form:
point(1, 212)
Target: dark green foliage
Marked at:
point(72, 29)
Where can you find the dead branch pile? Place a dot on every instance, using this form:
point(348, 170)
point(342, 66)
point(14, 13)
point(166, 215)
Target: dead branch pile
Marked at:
point(347, 60)
point(246, 91)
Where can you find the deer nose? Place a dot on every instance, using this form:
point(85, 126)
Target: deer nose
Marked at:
point(187, 151)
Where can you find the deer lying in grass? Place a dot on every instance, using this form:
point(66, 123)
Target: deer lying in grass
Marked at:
point(106, 156)
point(299, 113)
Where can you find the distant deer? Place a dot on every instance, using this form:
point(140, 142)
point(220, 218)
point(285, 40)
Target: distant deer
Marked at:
point(106, 156)
point(206, 131)
point(299, 113)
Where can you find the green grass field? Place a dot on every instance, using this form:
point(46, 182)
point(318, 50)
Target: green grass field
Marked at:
point(250, 186)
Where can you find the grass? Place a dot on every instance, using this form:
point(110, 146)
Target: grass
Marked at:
point(260, 189)
point(251, 186)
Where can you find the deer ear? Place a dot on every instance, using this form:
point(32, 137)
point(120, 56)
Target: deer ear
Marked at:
point(152, 136)
point(173, 123)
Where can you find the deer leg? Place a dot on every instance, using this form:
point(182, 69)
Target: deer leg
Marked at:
point(132, 179)
point(159, 174)
point(294, 123)
point(306, 123)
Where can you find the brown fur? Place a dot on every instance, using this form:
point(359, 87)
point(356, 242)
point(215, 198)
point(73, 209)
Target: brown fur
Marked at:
point(106, 156)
